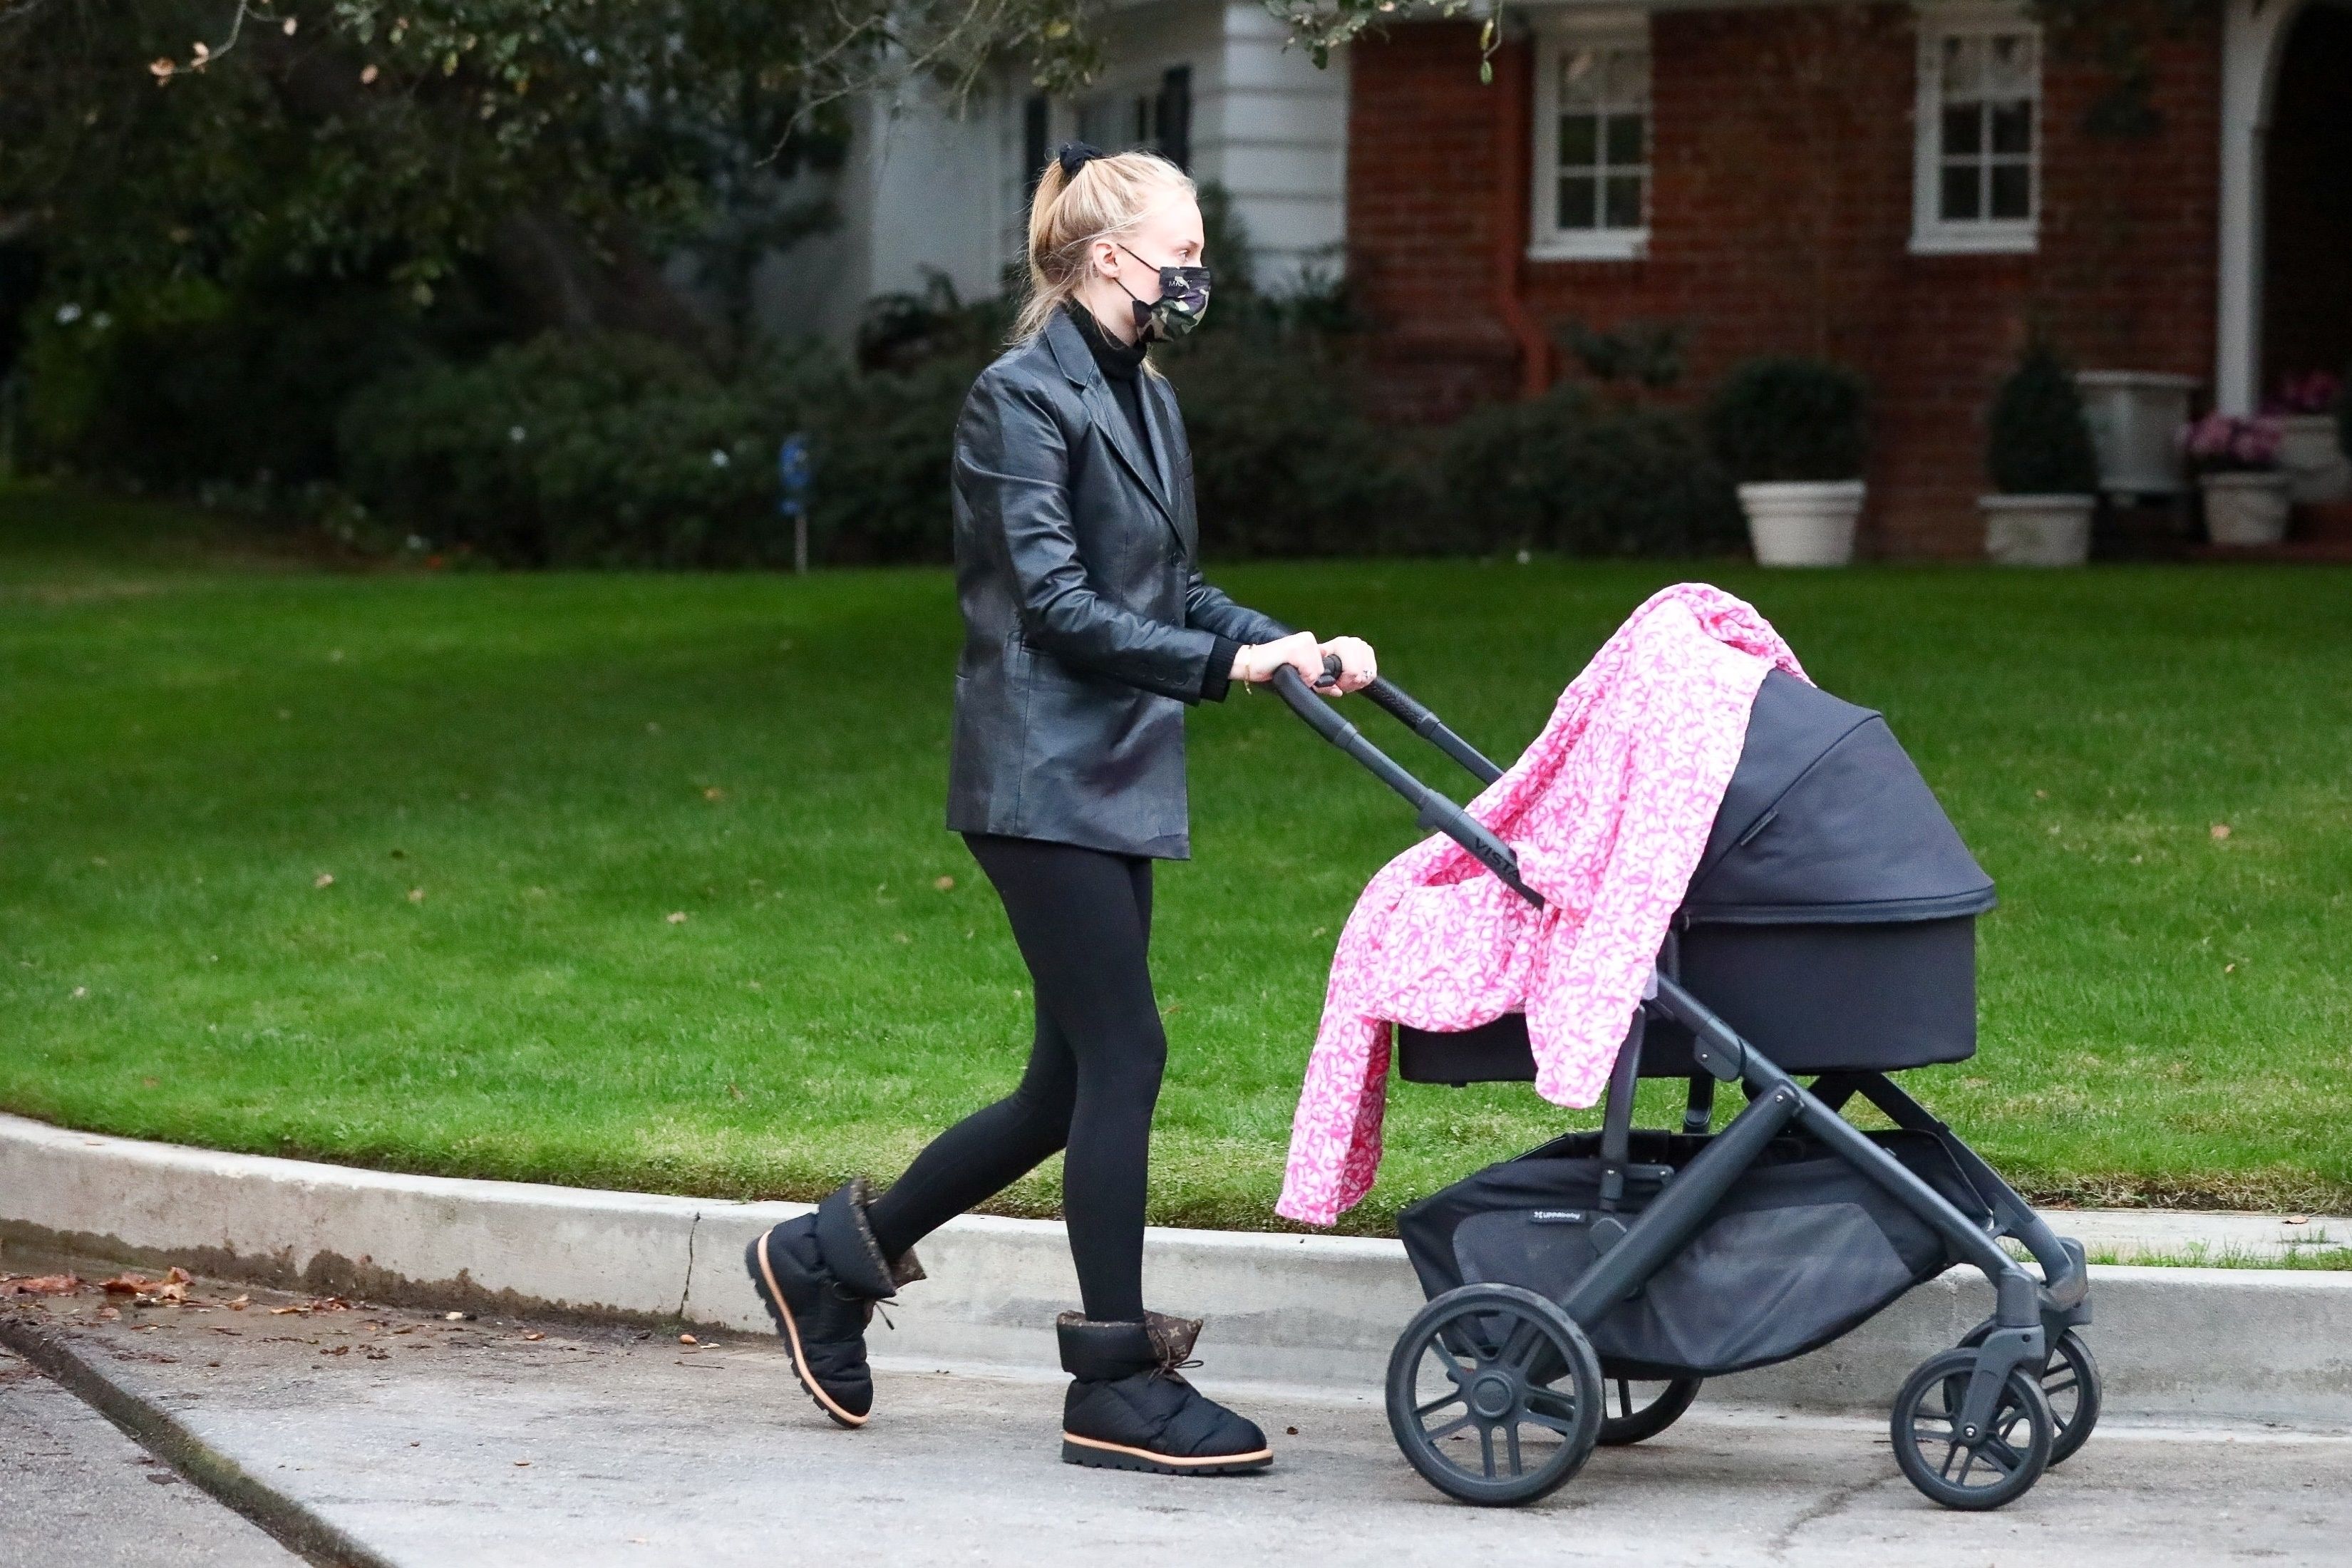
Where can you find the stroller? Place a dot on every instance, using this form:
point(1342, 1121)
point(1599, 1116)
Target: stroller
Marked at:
point(1829, 930)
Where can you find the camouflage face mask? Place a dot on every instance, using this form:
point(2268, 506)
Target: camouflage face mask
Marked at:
point(1183, 301)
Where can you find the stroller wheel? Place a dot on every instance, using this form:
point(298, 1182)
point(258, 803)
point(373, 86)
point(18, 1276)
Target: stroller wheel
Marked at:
point(2071, 1384)
point(1997, 1469)
point(1634, 1411)
point(1495, 1394)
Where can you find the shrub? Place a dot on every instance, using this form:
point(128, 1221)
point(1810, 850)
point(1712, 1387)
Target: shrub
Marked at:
point(2039, 441)
point(1283, 460)
point(610, 450)
point(1785, 419)
point(1569, 472)
point(189, 384)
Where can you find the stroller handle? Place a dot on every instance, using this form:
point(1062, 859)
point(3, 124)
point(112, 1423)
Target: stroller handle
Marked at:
point(1436, 810)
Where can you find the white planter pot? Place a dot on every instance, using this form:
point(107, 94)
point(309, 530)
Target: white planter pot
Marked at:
point(2133, 415)
point(1802, 523)
point(2037, 530)
point(2245, 509)
point(2317, 467)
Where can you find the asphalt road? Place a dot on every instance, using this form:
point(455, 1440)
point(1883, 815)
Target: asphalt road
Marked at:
point(434, 1442)
point(73, 1490)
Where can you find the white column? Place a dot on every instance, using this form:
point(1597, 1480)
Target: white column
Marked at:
point(2252, 32)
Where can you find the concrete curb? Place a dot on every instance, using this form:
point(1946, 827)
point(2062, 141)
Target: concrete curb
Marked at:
point(1305, 1310)
point(155, 1428)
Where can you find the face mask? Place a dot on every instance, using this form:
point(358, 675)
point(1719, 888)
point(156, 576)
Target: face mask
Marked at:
point(1183, 299)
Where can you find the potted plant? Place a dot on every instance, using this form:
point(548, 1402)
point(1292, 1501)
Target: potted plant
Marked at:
point(2039, 454)
point(2236, 459)
point(2309, 448)
point(1792, 433)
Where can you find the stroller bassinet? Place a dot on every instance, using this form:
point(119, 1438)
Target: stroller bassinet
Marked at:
point(1829, 928)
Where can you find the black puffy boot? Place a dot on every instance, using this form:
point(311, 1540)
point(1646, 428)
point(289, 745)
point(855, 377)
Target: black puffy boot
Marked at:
point(1129, 1408)
point(819, 1277)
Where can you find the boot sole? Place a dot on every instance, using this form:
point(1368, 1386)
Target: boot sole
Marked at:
point(763, 1282)
point(1077, 1451)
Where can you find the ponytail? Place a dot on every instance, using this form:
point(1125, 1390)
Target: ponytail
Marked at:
point(1108, 195)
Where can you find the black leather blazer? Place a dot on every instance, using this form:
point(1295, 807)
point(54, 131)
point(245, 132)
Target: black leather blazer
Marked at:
point(1087, 629)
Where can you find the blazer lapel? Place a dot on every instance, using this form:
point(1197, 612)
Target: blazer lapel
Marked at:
point(1077, 362)
point(1159, 413)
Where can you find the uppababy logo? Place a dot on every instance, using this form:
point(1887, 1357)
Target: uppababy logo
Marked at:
point(1558, 1216)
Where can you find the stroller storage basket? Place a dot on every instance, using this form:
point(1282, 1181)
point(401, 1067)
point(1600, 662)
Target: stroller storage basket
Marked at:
point(1802, 1250)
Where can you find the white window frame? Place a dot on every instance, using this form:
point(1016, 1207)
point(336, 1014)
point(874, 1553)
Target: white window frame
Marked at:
point(1932, 234)
point(1547, 241)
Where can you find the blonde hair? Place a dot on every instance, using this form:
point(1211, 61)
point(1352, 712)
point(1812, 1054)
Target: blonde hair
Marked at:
point(1108, 197)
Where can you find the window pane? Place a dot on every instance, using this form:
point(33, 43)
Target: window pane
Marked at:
point(1963, 66)
point(1960, 200)
point(1580, 136)
point(2012, 127)
point(1963, 131)
point(2009, 65)
point(2013, 190)
point(1625, 196)
point(1628, 77)
point(1578, 201)
point(1625, 140)
point(1580, 78)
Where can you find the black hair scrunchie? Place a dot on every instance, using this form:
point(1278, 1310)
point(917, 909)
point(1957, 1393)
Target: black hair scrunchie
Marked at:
point(1073, 157)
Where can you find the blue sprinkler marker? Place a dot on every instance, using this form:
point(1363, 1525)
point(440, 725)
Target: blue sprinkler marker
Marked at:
point(793, 472)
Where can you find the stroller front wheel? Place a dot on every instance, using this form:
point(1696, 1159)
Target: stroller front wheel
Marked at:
point(2071, 1384)
point(1495, 1394)
point(1996, 1468)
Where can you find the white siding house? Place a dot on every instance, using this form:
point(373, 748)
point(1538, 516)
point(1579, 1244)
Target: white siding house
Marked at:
point(930, 185)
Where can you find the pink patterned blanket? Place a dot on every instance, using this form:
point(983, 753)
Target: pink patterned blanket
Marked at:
point(1608, 811)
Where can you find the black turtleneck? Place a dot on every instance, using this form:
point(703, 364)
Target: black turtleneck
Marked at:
point(1123, 367)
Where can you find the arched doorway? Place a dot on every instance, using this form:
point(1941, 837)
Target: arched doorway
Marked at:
point(2306, 262)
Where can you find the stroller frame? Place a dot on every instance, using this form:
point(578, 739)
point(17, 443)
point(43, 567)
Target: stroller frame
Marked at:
point(2030, 1315)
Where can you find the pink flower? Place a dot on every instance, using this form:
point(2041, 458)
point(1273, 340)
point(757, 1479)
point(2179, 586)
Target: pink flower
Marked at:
point(2315, 391)
point(2225, 443)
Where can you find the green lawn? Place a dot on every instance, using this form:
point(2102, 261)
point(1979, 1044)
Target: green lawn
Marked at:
point(516, 783)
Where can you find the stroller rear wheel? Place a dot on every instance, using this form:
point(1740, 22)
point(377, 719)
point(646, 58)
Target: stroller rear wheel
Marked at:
point(2071, 1384)
point(1495, 1394)
point(1999, 1466)
point(1634, 1411)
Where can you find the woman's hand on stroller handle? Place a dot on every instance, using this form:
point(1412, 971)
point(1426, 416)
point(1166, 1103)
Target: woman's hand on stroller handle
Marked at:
point(1350, 664)
point(1258, 662)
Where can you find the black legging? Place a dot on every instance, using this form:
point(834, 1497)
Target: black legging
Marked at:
point(1082, 918)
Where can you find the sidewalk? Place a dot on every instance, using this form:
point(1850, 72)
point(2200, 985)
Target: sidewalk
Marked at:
point(1316, 1311)
point(511, 1444)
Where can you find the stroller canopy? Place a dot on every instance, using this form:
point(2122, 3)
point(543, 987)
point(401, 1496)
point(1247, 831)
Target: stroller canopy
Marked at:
point(1827, 821)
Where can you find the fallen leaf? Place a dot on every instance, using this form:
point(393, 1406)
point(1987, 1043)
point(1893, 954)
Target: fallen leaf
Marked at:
point(239, 1305)
point(687, 1340)
point(2299, 1219)
point(416, 895)
point(108, 1314)
point(534, 1335)
point(676, 917)
point(522, 1464)
point(42, 1285)
point(2221, 830)
point(336, 1350)
point(944, 884)
point(323, 879)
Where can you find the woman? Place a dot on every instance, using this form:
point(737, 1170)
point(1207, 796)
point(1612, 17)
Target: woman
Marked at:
point(1087, 629)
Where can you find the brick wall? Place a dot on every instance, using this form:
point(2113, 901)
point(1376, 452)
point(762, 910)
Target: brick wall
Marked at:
point(1780, 213)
